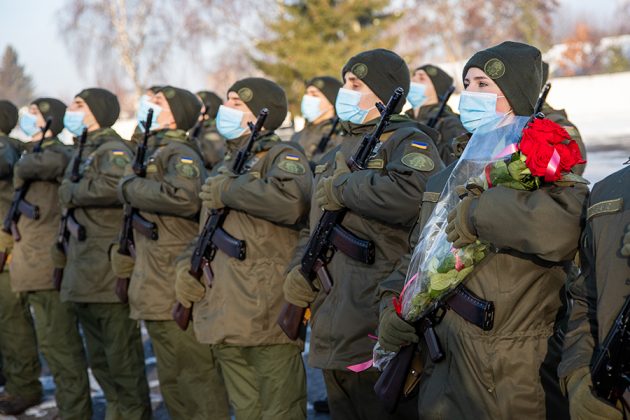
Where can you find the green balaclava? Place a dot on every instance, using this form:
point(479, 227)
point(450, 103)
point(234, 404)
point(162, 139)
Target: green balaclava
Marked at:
point(54, 109)
point(259, 93)
point(516, 68)
point(440, 79)
point(382, 71)
point(212, 101)
point(8, 116)
point(103, 104)
point(328, 85)
point(185, 106)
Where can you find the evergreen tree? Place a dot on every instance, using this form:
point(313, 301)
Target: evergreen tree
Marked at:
point(15, 85)
point(316, 37)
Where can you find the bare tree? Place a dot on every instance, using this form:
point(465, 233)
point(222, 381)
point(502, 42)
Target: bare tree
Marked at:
point(141, 37)
point(15, 85)
point(452, 30)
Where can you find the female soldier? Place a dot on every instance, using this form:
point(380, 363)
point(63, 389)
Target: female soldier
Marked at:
point(509, 371)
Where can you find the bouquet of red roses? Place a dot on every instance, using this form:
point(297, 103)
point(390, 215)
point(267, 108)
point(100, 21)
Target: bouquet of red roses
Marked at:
point(542, 152)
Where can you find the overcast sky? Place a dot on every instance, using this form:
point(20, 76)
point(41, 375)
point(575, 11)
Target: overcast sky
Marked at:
point(30, 26)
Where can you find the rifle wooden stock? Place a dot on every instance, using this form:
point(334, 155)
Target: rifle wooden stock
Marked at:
point(291, 321)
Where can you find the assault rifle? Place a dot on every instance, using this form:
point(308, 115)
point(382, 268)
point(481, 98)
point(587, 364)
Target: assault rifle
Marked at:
point(611, 370)
point(443, 100)
point(323, 142)
point(68, 225)
point(213, 236)
point(20, 206)
point(132, 218)
point(320, 248)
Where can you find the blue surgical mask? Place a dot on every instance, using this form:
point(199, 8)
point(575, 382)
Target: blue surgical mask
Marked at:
point(229, 122)
point(73, 121)
point(347, 106)
point(477, 109)
point(28, 124)
point(143, 108)
point(416, 95)
point(311, 107)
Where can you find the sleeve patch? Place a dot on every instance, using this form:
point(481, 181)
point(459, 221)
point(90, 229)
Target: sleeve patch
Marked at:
point(119, 158)
point(187, 168)
point(418, 161)
point(292, 166)
point(292, 157)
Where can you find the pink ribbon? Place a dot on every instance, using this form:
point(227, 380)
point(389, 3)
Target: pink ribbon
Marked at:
point(360, 367)
point(512, 148)
point(552, 167)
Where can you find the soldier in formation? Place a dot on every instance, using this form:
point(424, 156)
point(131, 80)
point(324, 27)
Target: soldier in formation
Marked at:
point(234, 358)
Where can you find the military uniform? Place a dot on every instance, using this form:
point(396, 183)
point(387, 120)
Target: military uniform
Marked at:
point(113, 340)
point(18, 345)
point(168, 197)
point(601, 290)
point(511, 369)
point(263, 369)
point(382, 205)
point(344, 319)
point(31, 276)
point(448, 126)
point(237, 315)
point(311, 135)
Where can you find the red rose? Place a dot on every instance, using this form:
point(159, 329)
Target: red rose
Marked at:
point(570, 155)
point(538, 154)
point(547, 130)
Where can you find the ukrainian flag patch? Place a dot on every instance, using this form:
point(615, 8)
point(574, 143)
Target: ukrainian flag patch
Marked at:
point(118, 153)
point(292, 157)
point(187, 161)
point(419, 145)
